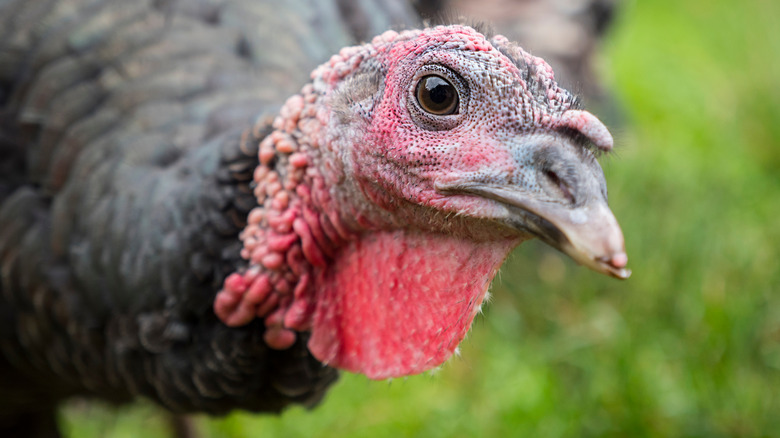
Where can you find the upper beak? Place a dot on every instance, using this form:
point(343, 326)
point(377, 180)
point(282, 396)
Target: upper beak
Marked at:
point(589, 234)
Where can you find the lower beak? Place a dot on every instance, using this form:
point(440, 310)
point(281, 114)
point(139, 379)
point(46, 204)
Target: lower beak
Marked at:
point(589, 234)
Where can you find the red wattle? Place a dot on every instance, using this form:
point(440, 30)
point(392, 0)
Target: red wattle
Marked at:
point(399, 303)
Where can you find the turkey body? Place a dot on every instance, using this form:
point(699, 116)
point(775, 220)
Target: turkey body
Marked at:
point(149, 197)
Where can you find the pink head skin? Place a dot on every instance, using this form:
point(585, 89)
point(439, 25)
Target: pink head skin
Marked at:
point(396, 183)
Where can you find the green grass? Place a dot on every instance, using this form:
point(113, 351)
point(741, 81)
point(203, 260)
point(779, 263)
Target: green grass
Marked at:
point(688, 347)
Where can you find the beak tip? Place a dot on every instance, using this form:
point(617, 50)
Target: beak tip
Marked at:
point(615, 265)
point(619, 260)
point(623, 274)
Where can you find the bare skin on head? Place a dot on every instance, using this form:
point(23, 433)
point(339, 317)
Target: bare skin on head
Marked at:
point(395, 184)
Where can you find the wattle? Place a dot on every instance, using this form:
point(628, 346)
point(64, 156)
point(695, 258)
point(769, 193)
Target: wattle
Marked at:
point(396, 303)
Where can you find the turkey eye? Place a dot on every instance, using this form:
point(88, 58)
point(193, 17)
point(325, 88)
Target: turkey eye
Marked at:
point(437, 95)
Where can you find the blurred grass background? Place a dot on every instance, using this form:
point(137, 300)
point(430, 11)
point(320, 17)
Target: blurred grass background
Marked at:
point(688, 347)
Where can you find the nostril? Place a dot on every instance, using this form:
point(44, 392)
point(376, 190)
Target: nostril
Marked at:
point(560, 184)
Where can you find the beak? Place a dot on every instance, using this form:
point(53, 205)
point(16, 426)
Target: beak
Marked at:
point(589, 234)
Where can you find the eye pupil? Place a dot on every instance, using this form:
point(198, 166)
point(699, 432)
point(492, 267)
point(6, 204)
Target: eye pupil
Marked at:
point(439, 90)
point(437, 95)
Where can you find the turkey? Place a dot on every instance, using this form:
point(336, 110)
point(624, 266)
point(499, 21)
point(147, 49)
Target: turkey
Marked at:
point(181, 221)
